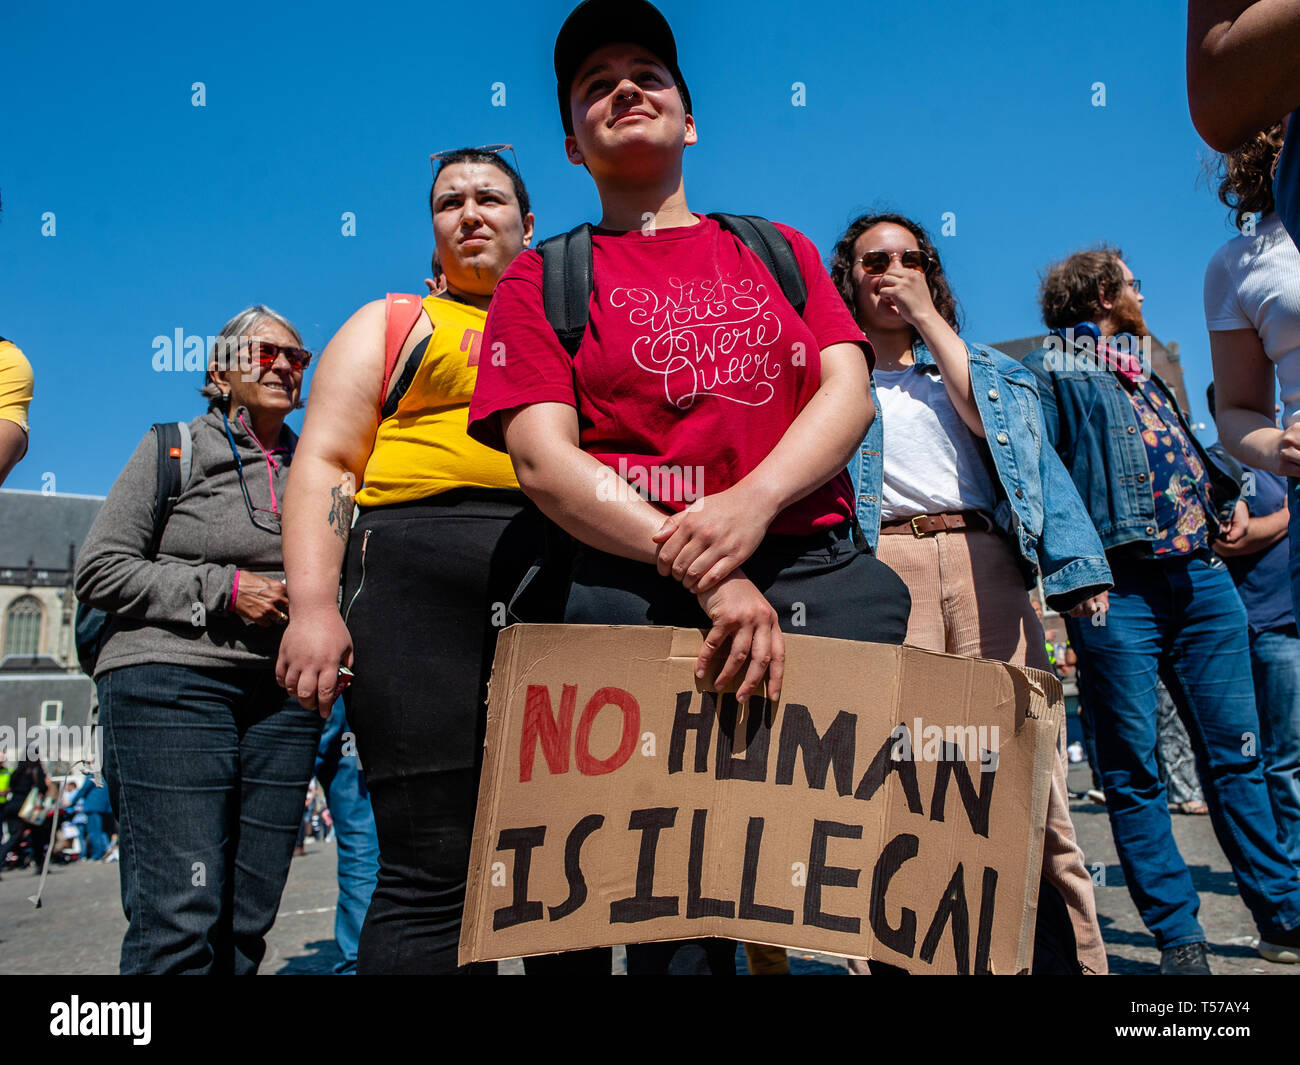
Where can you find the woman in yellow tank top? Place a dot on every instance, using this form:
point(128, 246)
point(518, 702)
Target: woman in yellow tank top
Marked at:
point(442, 538)
point(15, 397)
point(421, 447)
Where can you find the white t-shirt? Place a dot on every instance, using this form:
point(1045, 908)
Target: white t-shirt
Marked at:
point(1254, 283)
point(932, 461)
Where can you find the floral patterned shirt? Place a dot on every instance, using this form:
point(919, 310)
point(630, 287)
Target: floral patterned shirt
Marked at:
point(1178, 477)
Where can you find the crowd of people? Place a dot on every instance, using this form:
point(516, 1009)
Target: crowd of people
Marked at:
point(87, 830)
point(844, 449)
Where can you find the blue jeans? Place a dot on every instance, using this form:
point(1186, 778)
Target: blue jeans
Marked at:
point(1293, 534)
point(1181, 620)
point(1275, 661)
point(1086, 723)
point(207, 770)
point(94, 838)
point(354, 833)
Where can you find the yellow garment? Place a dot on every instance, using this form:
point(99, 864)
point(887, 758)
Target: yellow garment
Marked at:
point(16, 384)
point(423, 448)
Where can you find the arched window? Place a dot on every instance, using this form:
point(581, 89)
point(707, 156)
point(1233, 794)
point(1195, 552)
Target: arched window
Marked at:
point(23, 626)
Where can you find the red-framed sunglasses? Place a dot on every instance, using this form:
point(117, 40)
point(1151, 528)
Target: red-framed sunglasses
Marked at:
point(264, 353)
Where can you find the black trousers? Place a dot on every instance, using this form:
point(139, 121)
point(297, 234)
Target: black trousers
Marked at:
point(820, 585)
point(425, 591)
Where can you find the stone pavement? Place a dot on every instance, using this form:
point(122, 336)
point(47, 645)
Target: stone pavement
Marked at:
point(78, 929)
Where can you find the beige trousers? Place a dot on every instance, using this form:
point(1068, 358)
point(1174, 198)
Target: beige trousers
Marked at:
point(969, 598)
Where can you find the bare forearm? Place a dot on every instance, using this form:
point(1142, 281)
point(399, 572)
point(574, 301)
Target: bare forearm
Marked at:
point(953, 360)
point(318, 510)
point(1250, 437)
point(13, 445)
point(817, 446)
point(1266, 531)
point(590, 502)
point(1258, 537)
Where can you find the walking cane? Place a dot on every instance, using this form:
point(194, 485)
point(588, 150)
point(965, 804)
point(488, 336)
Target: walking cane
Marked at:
point(35, 900)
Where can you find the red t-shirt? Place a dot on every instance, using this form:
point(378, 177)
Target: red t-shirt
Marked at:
point(692, 368)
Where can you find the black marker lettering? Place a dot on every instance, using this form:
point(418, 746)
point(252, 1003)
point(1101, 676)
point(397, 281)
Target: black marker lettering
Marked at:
point(835, 750)
point(645, 906)
point(820, 874)
point(573, 866)
point(521, 909)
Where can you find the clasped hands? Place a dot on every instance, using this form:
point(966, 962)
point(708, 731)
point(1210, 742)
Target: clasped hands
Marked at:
point(703, 547)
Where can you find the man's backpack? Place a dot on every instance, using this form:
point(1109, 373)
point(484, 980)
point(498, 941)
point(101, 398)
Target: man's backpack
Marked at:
point(567, 271)
point(175, 461)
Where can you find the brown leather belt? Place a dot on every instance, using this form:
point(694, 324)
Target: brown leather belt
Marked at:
point(933, 524)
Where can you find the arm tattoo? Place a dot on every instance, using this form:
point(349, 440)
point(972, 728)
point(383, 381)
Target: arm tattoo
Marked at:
point(341, 504)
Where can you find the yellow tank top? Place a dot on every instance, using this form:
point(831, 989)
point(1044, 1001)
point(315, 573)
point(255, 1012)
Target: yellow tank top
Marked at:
point(15, 384)
point(422, 448)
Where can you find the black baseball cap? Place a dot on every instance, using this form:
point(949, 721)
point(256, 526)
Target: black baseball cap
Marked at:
point(596, 23)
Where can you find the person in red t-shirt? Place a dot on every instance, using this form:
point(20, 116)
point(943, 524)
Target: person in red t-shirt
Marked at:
point(695, 446)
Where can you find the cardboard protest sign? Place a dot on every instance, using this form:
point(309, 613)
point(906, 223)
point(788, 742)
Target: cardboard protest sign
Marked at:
point(892, 806)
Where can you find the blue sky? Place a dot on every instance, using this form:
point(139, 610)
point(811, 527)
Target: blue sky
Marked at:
point(173, 216)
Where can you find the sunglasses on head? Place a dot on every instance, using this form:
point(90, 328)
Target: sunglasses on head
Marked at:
point(875, 263)
point(264, 353)
point(494, 149)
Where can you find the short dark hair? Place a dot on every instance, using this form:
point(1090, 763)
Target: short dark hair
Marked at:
point(479, 155)
point(842, 265)
point(1071, 290)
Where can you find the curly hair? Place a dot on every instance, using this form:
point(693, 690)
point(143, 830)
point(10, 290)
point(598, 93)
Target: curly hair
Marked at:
point(1072, 290)
point(842, 265)
point(1246, 174)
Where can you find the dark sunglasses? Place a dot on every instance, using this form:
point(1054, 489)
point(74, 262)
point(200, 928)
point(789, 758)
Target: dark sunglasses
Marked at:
point(264, 353)
point(875, 263)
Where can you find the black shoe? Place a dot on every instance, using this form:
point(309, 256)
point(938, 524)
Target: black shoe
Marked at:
point(1186, 960)
point(1281, 947)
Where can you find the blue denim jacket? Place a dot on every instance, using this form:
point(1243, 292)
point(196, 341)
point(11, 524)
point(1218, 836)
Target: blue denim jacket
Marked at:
point(1038, 507)
point(1092, 425)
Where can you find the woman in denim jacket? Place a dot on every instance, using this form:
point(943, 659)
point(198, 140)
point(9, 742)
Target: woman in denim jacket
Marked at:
point(958, 494)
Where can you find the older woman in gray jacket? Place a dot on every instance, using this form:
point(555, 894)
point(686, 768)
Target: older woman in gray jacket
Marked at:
point(207, 762)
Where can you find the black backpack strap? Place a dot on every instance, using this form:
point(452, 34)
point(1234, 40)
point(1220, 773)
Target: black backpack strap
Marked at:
point(175, 462)
point(767, 242)
point(398, 390)
point(173, 455)
point(567, 272)
point(566, 284)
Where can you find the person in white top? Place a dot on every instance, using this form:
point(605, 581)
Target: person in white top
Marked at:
point(1252, 311)
point(939, 490)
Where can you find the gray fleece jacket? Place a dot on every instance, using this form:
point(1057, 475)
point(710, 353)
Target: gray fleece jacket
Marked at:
point(177, 608)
